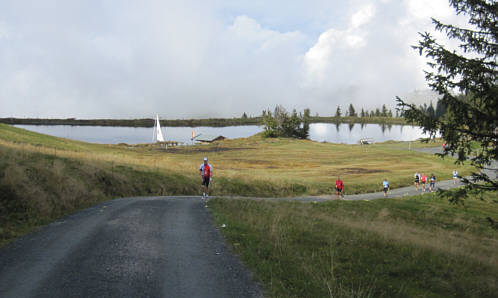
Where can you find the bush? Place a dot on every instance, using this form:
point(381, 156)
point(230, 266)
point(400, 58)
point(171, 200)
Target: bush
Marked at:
point(281, 124)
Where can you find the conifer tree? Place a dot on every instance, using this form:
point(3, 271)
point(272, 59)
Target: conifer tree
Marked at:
point(377, 112)
point(384, 111)
point(352, 112)
point(338, 111)
point(466, 79)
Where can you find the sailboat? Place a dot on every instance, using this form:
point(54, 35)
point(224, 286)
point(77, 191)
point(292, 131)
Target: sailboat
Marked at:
point(158, 134)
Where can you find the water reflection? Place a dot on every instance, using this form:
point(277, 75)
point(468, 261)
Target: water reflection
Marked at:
point(351, 126)
point(351, 134)
point(348, 133)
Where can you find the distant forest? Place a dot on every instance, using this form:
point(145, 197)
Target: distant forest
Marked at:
point(350, 115)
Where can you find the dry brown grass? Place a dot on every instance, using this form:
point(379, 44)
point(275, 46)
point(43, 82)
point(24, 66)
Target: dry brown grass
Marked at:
point(281, 162)
point(463, 244)
point(359, 249)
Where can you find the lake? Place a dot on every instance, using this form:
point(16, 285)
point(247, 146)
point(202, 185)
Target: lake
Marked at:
point(321, 132)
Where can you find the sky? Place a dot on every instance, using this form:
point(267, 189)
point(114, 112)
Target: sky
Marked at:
point(211, 58)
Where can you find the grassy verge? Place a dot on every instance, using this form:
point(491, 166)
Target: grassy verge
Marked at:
point(36, 188)
point(418, 246)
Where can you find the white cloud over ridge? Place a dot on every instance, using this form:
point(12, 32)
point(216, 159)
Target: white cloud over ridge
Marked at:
point(126, 59)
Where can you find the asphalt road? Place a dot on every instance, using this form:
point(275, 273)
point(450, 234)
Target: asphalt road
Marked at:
point(133, 247)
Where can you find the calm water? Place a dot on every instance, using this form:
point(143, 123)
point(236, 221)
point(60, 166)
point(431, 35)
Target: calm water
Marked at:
point(342, 133)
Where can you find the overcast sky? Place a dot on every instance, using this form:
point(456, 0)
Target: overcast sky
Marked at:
point(209, 58)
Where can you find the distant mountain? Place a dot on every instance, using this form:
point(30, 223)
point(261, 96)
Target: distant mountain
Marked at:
point(419, 97)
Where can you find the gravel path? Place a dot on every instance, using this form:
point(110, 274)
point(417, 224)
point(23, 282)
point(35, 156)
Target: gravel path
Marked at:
point(394, 193)
point(133, 247)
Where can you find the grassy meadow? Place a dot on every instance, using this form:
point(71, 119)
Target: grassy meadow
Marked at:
point(44, 177)
point(257, 166)
point(420, 246)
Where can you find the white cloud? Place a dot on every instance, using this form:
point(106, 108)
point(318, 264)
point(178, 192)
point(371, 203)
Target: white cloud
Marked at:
point(425, 9)
point(318, 58)
point(363, 16)
point(209, 58)
point(4, 31)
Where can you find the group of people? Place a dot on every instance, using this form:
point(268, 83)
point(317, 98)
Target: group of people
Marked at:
point(423, 179)
point(339, 187)
point(420, 180)
point(206, 171)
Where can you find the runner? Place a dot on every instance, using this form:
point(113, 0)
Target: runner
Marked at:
point(385, 183)
point(444, 146)
point(455, 176)
point(339, 188)
point(206, 171)
point(424, 180)
point(433, 182)
point(417, 179)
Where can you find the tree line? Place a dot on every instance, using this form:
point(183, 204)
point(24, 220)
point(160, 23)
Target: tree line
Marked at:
point(352, 112)
point(435, 112)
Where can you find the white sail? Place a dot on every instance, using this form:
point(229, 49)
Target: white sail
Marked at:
point(158, 134)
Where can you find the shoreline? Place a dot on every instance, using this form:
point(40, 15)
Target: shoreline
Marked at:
point(211, 122)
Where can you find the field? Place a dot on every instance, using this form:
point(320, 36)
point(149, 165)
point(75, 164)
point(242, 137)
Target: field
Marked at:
point(257, 166)
point(43, 178)
point(412, 247)
point(420, 246)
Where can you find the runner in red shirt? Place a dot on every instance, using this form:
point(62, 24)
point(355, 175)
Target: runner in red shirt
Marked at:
point(206, 171)
point(424, 181)
point(339, 187)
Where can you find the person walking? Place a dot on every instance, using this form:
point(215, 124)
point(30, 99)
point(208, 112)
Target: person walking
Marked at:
point(432, 185)
point(455, 176)
point(206, 171)
point(417, 179)
point(339, 188)
point(385, 183)
point(424, 181)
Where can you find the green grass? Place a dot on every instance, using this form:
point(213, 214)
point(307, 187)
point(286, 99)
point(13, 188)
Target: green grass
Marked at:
point(259, 166)
point(419, 246)
point(36, 188)
point(44, 177)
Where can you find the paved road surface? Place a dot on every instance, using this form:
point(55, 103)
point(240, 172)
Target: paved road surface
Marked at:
point(134, 247)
